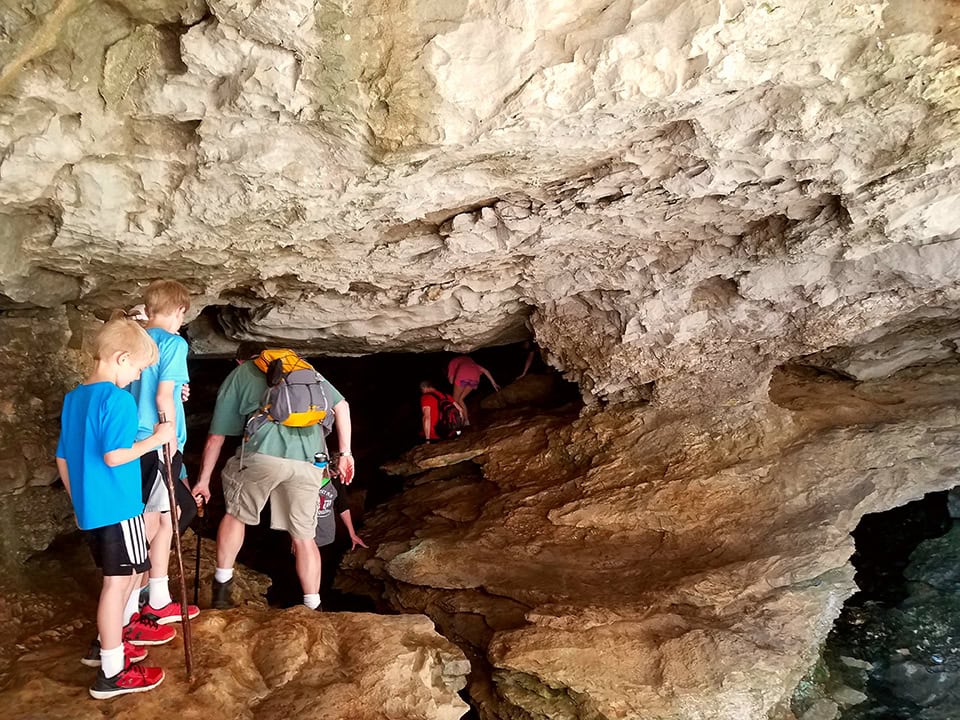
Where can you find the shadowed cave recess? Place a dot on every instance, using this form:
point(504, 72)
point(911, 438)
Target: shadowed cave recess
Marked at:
point(384, 396)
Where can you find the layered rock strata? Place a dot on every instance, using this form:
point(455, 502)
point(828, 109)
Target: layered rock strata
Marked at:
point(635, 563)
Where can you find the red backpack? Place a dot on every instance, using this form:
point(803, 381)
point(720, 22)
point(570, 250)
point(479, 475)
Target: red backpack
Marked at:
point(449, 420)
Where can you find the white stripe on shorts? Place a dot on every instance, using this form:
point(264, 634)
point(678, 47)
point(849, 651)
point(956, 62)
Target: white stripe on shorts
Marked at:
point(134, 539)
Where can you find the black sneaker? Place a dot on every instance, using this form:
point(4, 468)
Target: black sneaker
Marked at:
point(221, 595)
point(131, 654)
point(132, 679)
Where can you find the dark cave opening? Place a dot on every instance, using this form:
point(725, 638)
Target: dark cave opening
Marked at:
point(384, 396)
point(894, 652)
point(885, 541)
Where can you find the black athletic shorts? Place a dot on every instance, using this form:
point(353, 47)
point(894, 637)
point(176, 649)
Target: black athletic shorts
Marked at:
point(151, 467)
point(120, 549)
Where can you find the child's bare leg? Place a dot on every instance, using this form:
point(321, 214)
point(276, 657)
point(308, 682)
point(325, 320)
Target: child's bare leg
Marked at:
point(132, 603)
point(160, 542)
point(459, 393)
point(113, 596)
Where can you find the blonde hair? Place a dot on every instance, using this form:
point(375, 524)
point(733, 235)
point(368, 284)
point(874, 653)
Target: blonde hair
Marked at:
point(120, 334)
point(163, 297)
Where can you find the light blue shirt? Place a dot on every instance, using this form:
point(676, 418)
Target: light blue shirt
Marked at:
point(172, 366)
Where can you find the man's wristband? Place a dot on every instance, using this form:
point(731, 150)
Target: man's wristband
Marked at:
point(346, 453)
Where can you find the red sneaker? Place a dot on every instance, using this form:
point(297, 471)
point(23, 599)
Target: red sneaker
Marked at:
point(169, 613)
point(131, 654)
point(144, 630)
point(132, 679)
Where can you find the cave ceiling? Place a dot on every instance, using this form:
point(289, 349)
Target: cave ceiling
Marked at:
point(665, 193)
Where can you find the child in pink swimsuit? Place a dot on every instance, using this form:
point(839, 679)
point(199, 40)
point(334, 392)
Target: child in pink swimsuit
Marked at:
point(464, 376)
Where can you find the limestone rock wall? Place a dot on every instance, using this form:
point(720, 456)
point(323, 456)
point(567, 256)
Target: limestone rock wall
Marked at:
point(666, 192)
point(43, 358)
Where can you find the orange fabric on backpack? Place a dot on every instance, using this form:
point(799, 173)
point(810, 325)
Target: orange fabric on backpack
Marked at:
point(291, 361)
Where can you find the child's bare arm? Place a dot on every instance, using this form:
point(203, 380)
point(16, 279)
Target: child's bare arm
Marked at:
point(426, 423)
point(165, 403)
point(165, 432)
point(64, 475)
point(489, 377)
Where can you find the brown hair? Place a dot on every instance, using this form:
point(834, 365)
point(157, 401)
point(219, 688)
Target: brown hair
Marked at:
point(120, 334)
point(163, 297)
point(248, 349)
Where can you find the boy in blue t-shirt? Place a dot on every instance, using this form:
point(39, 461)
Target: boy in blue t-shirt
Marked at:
point(160, 390)
point(96, 458)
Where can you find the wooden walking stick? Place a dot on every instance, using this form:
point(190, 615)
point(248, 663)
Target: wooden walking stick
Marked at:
point(196, 569)
point(184, 611)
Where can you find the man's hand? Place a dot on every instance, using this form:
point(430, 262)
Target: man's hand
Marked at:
point(346, 466)
point(211, 451)
point(201, 492)
point(357, 540)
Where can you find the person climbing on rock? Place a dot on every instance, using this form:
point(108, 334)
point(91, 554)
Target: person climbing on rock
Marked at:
point(97, 458)
point(275, 462)
point(441, 417)
point(533, 361)
point(464, 377)
point(333, 501)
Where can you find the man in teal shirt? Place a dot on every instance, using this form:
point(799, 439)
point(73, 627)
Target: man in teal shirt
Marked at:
point(276, 463)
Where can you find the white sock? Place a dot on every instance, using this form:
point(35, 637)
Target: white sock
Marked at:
point(312, 601)
point(111, 661)
point(159, 592)
point(222, 575)
point(132, 606)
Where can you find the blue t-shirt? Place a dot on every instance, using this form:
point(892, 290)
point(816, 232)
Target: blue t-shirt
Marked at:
point(96, 419)
point(172, 366)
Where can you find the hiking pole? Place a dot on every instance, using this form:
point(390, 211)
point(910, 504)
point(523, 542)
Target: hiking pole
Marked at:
point(196, 569)
point(184, 611)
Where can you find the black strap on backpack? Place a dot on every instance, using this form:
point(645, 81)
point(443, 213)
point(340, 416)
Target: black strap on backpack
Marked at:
point(449, 420)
